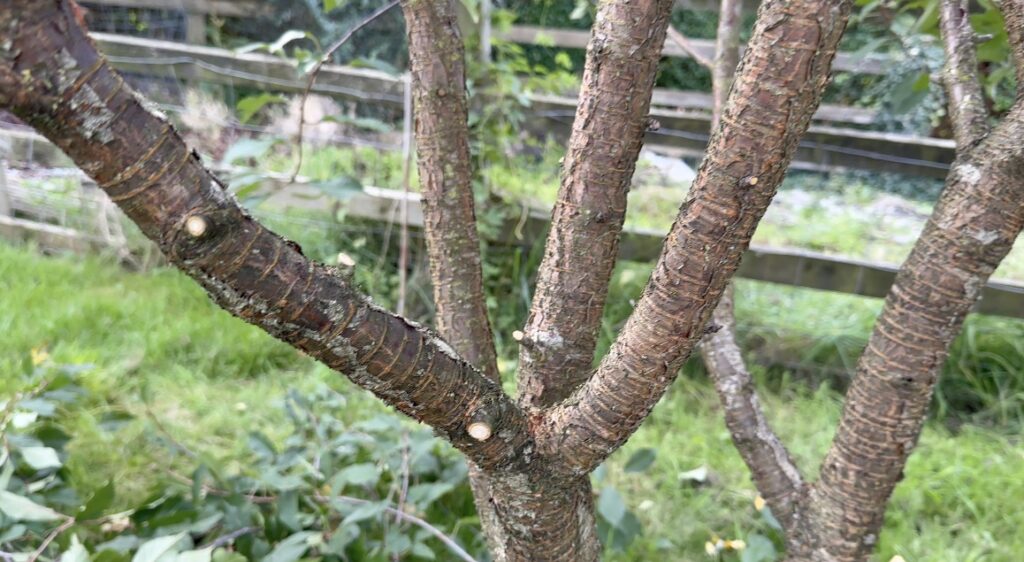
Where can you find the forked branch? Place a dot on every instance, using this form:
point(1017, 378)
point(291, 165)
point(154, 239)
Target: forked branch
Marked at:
point(777, 89)
point(52, 77)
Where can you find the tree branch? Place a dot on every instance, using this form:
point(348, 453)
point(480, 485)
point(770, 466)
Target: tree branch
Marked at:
point(778, 87)
point(966, 103)
point(557, 350)
point(1013, 19)
point(973, 227)
point(684, 44)
point(52, 77)
point(442, 142)
point(776, 476)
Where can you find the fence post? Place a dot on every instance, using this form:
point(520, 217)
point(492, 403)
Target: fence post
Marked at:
point(5, 198)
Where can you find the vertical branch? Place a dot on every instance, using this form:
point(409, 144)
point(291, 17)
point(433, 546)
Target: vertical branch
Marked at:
point(960, 76)
point(776, 476)
point(972, 228)
point(438, 72)
point(777, 89)
point(611, 118)
point(403, 242)
point(1013, 19)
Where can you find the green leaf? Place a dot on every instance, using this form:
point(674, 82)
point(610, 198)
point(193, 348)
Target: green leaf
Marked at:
point(423, 551)
point(366, 123)
point(250, 105)
point(285, 38)
point(201, 555)
point(362, 474)
point(641, 460)
point(611, 506)
point(291, 548)
point(425, 494)
point(364, 512)
point(13, 532)
point(696, 476)
point(247, 149)
point(21, 420)
point(75, 553)
point(5, 474)
point(580, 10)
point(153, 549)
point(341, 188)
point(99, 502)
point(759, 549)
point(23, 509)
point(225, 555)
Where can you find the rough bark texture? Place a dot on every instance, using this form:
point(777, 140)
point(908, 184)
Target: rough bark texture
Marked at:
point(564, 528)
point(1013, 19)
point(776, 476)
point(52, 77)
point(966, 104)
point(442, 149)
point(777, 89)
point(557, 350)
point(973, 227)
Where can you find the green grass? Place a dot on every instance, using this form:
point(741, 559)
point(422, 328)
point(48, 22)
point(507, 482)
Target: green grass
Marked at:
point(155, 339)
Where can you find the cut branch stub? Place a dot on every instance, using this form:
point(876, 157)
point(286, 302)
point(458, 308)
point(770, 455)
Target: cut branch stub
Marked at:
point(52, 77)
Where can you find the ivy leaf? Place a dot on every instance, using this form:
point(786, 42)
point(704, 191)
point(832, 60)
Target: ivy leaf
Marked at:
point(641, 460)
point(611, 506)
point(23, 509)
point(99, 501)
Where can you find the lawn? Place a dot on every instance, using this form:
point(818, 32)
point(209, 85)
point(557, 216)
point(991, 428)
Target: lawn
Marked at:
point(188, 372)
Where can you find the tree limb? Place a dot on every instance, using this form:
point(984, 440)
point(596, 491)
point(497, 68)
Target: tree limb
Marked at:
point(778, 87)
point(53, 78)
point(966, 105)
point(557, 350)
point(1013, 19)
point(776, 476)
point(973, 227)
point(684, 44)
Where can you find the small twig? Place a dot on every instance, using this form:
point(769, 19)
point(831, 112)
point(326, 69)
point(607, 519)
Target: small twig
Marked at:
point(167, 434)
point(405, 473)
point(451, 544)
point(316, 70)
point(223, 540)
point(50, 538)
point(403, 244)
point(684, 43)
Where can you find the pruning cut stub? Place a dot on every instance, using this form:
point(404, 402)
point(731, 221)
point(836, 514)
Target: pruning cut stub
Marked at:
point(481, 431)
point(196, 226)
point(749, 181)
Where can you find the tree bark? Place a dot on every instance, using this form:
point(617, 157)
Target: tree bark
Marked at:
point(557, 351)
point(775, 475)
point(52, 77)
point(777, 89)
point(973, 227)
point(437, 59)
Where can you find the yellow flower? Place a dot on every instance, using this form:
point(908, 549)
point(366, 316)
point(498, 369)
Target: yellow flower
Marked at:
point(735, 545)
point(759, 503)
point(39, 355)
point(710, 548)
point(897, 558)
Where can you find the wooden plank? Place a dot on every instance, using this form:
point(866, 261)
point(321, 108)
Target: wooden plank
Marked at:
point(48, 235)
point(577, 39)
point(232, 8)
point(195, 28)
point(681, 99)
point(784, 266)
point(823, 147)
point(166, 59)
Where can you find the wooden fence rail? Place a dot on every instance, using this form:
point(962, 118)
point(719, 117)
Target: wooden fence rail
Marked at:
point(683, 127)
